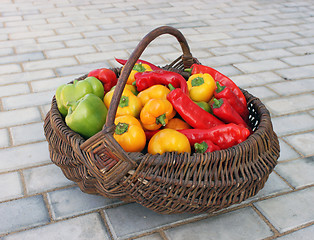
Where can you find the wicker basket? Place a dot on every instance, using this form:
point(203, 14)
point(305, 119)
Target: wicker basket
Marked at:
point(171, 182)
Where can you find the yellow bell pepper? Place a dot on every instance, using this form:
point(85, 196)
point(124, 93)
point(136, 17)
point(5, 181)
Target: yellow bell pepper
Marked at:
point(168, 140)
point(156, 113)
point(201, 87)
point(129, 133)
point(129, 103)
point(138, 67)
point(153, 92)
point(128, 86)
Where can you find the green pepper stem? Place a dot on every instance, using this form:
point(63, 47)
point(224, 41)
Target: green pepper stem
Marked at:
point(198, 81)
point(121, 128)
point(124, 102)
point(171, 87)
point(139, 67)
point(200, 147)
point(161, 119)
point(189, 70)
point(217, 103)
point(219, 87)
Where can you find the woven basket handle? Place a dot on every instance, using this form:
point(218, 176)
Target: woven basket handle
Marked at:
point(186, 57)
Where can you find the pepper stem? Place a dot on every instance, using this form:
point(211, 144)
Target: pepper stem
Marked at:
point(189, 70)
point(121, 128)
point(171, 87)
point(219, 87)
point(124, 101)
point(200, 147)
point(217, 103)
point(161, 119)
point(198, 81)
point(139, 67)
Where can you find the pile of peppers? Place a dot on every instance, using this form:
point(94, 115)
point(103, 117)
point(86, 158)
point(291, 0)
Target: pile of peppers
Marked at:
point(160, 111)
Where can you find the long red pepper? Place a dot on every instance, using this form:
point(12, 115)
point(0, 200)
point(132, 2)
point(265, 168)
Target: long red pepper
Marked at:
point(153, 67)
point(193, 114)
point(225, 92)
point(205, 146)
point(225, 112)
point(224, 136)
point(222, 79)
point(147, 79)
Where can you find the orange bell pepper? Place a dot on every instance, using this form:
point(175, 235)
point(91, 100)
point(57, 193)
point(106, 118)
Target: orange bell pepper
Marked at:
point(153, 92)
point(177, 124)
point(129, 133)
point(156, 113)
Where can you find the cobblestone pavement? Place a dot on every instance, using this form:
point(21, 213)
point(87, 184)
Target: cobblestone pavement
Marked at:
point(266, 47)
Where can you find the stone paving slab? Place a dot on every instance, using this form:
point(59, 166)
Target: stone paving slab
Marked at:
point(265, 47)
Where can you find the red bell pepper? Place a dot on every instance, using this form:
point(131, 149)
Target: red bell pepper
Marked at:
point(226, 93)
point(106, 76)
point(205, 146)
point(193, 114)
point(153, 67)
point(222, 79)
point(225, 112)
point(224, 136)
point(145, 80)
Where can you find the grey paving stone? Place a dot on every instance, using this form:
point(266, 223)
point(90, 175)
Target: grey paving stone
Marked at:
point(289, 211)
point(24, 156)
point(79, 228)
point(22, 57)
point(273, 45)
point(239, 224)
point(297, 72)
point(72, 201)
point(299, 60)
point(51, 83)
point(303, 234)
point(26, 76)
point(293, 87)
point(14, 89)
point(286, 105)
point(299, 172)
point(44, 178)
point(292, 124)
point(273, 185)
point(255, 79)
point(133, 219)
point(261, 92)
point(268, 54)
point(26, 115)
point(286, 152)
point(302, 142)
point(4, 138)
point(10, 68)
point(10, 186)
point(27, 100)
point(23, 213)
point(259, 66)
point(49, 63)
point(28, 133)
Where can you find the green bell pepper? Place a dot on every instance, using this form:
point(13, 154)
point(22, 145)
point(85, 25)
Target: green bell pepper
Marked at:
point(87, 116)
point(66, 94)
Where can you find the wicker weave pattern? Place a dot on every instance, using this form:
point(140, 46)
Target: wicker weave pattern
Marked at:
point(172, 182)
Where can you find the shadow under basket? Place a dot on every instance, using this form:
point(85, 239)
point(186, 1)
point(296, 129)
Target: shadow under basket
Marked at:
point(171, 182)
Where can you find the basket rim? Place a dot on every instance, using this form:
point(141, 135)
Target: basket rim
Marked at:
point(72, 136)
